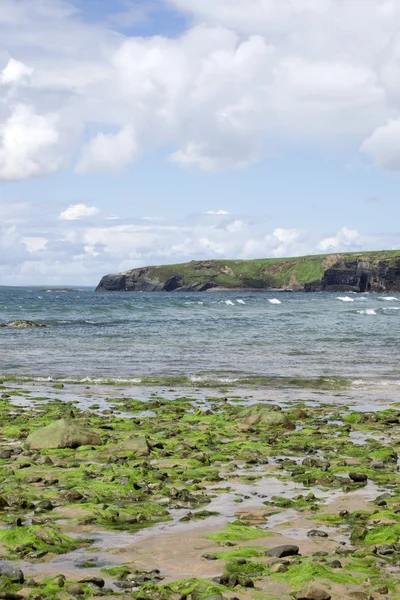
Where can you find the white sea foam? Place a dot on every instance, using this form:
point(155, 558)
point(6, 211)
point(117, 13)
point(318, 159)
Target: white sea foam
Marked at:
point(240, 301)
point(227, 302)
point(345, 298)
point(391, 308)
point(275, 301)
point(388, 298)
point(367, 311)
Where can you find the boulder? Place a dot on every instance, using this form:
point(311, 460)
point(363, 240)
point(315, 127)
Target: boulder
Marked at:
point(265, 414)
point(282, 551)
point(138, 445)
point(312, 592)
point(22, 324)
point(65, 433)
point(12, 573)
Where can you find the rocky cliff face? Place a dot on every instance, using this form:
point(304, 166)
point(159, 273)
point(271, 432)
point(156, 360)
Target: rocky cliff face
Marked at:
point(359, 276)
point(143, 280)
point(364, 272)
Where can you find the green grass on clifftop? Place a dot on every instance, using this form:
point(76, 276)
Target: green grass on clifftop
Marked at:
point(263, 273)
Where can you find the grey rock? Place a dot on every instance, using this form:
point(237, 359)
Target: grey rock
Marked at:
point(282, 551)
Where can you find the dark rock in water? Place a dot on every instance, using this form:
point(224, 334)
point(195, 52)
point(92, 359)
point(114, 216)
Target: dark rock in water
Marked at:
point(311, 592)
point(358, 477)
point(22, 324)
point(317, 533)
point(282, 551)
point(65, 433)
point(13, 574)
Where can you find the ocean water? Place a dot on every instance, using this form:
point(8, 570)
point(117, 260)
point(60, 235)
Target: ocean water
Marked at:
point(220, 336)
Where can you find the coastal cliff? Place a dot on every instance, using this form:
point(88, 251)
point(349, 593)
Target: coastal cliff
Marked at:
point(350, 272)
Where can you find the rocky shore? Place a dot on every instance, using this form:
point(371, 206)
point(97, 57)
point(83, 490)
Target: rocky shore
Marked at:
point(170, 494)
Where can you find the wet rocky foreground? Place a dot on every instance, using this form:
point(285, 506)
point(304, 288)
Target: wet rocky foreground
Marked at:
point(162, 494)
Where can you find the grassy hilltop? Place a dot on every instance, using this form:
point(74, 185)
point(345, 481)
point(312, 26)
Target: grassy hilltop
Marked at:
point(264, 272)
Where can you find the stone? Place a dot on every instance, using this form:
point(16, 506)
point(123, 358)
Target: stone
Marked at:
point(13, 574)
point(335, 564)
point(72, 496)
point(265, 414)
point(358, 477)
point(65, 433)
point(74, 589)
point(282, 551)
point(21, 323)
point(385, 549)
point(316, 463)
point(317, 533)
point(278, 568)
point(312, 592)
point(139, 445)
point(97, 581)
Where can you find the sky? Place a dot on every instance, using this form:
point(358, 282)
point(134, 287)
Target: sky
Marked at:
point(140, 132)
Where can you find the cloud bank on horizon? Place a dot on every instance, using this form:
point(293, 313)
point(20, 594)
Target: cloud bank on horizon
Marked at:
point(87, 96)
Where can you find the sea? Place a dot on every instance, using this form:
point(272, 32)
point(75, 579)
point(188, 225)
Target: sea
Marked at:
point(218, 337)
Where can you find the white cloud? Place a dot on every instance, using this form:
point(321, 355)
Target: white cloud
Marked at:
point(30, 144)
point(383, 146)
point(35, 244)
point(111, 152)
point(15, 72)
point(245, 79)
point(217, 212)
point(78, 211)
point(346, 239)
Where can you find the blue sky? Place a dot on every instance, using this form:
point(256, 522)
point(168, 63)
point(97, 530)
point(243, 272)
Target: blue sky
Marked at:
point(154, 131)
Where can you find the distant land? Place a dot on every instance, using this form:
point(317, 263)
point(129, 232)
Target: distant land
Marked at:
point(346, 272)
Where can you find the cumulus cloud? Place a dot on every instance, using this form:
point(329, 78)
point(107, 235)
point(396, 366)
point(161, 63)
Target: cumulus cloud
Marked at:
point(217, 212)
point(67, 254)
point(75, 212)
point(345, 239)
point(111, 152)
point(383, 146)
point(29, 144)
point(244, 80)
point(15, 72)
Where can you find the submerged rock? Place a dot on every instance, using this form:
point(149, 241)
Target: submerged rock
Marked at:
point(22, 323)
point(65, 433)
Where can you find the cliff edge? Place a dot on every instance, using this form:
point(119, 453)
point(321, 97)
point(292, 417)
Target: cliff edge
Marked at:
point(349, 272)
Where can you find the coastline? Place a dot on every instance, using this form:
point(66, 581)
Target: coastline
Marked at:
point(195, 484)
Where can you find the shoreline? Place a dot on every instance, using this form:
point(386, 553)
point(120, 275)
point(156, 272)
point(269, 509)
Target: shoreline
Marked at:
point(191, 485)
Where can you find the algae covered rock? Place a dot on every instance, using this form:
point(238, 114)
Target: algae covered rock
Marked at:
point(22, 324)
point(265, 414)
point(65, 433)
point(138, 445)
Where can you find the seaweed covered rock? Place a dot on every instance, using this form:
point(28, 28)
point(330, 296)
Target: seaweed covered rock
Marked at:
point(268, 415)
point(22, 324)
point(65, 433)
point(138, 444)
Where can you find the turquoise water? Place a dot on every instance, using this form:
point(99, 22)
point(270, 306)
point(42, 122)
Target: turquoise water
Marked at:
point(223, 336)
